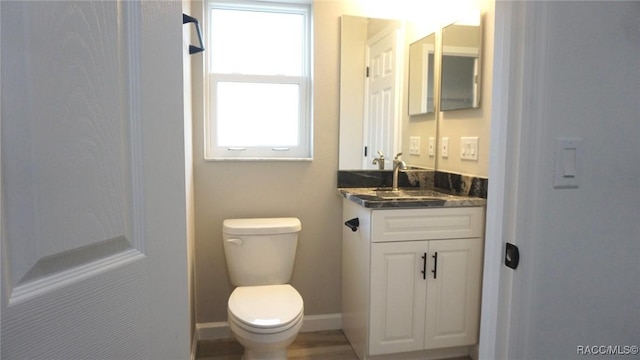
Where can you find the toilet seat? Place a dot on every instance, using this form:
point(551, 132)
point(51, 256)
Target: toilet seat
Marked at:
point(265, 309)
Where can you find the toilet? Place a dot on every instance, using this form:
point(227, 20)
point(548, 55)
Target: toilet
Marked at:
point(264, 312)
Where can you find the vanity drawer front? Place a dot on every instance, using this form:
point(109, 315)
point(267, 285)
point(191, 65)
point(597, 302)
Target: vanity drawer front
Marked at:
point(427, 224)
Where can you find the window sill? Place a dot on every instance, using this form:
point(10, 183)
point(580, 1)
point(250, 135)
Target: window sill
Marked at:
point(232, 159)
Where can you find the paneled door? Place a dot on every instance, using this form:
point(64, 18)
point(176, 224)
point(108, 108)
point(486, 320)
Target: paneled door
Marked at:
point(94, 252)
point(382, 119)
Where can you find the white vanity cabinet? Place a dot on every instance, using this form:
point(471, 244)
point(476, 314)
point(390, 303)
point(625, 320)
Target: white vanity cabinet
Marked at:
point(412, 280)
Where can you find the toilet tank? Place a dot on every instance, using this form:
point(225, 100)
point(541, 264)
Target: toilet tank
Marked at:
point(260, 251)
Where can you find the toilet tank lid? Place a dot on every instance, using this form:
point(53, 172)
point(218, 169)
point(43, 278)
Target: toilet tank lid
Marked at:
point(261, 226)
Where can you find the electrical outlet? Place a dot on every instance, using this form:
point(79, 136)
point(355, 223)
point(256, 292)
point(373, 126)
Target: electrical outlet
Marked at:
point(444, 148)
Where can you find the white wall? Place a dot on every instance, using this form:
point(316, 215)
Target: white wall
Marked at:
point(578, 282)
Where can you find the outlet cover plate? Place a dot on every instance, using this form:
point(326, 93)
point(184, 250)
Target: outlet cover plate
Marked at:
point(444, 147)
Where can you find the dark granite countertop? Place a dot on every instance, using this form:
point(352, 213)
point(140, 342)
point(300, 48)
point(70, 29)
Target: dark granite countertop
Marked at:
point(377, 198)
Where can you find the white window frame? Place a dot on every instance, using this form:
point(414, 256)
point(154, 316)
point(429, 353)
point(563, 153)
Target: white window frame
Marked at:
point(304, 149)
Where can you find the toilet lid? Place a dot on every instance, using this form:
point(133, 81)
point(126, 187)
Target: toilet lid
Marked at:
point(265, 307)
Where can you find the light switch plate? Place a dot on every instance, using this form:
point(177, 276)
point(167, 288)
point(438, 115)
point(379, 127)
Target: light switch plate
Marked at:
point(567, 163)
point(414, 145)
point(469, 148)
point(444, 150)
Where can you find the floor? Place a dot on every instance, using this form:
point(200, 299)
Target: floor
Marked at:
point(323, 345)
point(315, 345)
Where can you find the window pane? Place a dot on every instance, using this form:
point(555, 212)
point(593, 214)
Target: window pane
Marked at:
point(256, 42)
point(257, 114)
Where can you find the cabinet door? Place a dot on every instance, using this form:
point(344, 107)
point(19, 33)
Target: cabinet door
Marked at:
point(398, 289)
point(453, 295)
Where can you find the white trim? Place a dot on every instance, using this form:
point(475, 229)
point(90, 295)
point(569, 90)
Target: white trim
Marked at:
point(322, 322)
point(311, 323)
point(517, 92)
point(271, 5)
point(503, 52)
point(213, 331)
point(194, 346)
point(131, 35)
point(304, 150)
point(465, 51)
point(434, 354)
point(528, 144)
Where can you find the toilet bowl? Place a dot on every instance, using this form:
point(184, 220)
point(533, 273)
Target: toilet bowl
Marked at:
point(265, 313)
point(265, 319)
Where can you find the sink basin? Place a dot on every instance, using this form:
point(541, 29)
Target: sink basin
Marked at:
point(413, 194)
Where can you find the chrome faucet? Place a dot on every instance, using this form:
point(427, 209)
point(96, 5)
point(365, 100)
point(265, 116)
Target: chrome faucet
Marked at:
point(397, 166)
point(379, 161)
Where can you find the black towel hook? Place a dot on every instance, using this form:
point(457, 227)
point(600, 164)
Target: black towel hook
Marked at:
point(194, 49)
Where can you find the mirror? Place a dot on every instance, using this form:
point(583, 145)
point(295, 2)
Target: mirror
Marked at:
point(410, 135)
point(460, 69)
point(421, 75)
point(362, 133)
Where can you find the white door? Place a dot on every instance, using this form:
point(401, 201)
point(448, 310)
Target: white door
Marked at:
point(575, 292)
point(382, 120)
point(93, 198)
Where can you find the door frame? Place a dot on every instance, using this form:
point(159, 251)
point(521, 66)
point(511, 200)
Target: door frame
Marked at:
point(520, 54)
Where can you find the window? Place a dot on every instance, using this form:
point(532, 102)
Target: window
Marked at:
point(258, 81)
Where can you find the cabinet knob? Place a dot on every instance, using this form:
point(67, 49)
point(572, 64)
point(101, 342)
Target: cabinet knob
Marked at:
point(353, 224)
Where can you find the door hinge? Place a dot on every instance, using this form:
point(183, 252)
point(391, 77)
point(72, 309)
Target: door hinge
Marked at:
point(367, 71)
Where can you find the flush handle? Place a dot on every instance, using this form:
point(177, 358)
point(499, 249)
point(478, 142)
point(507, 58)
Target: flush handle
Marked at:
point(353, 224)
point(235, 241)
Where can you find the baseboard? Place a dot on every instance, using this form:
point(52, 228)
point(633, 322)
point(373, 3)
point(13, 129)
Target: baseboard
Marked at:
point(322, 322)
point(439, 354)
point(311, 323)
point(213, 330)
point(194, 346)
